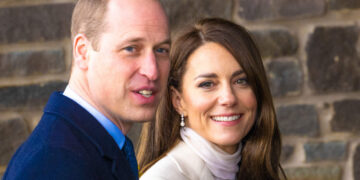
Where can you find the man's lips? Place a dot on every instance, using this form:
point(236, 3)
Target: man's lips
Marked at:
point(146, 91)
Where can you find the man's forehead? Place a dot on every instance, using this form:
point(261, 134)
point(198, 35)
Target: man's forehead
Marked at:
point(134, 8)
point(136, 13)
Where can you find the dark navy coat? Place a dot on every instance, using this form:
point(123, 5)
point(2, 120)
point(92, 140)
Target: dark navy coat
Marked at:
point(68, 143)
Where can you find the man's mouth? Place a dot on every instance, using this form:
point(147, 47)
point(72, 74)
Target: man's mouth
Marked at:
point(146, 93)
point(225, 118)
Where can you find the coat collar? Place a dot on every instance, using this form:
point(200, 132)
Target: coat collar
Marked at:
point(189, 163)
point(82, 120)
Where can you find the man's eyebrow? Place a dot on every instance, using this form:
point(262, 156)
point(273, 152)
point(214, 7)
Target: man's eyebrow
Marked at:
point(167, 41)
point(139, 39)
point(134, 40)
point(206, 75)
point(129, 40)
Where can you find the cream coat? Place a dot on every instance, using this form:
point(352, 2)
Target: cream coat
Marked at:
point(181, 163)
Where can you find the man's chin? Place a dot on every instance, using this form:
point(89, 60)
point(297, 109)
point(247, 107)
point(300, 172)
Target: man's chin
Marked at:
point(141, 117)
point(142, 120)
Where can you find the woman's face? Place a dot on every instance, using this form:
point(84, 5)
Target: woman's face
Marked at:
point(216, 99)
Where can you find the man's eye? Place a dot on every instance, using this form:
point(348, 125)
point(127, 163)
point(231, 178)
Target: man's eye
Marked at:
point(206, 84)
point(162, 50)
point(130, 48)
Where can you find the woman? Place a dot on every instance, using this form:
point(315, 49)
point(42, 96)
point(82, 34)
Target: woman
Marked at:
point(217, 120)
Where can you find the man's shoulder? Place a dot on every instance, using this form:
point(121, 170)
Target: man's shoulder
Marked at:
point(54, 145)
point(68, 143)
point(47, 162)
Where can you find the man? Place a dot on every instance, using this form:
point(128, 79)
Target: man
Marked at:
point(120, 67)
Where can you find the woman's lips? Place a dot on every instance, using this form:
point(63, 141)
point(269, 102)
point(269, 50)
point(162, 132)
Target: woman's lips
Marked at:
point(226, 118)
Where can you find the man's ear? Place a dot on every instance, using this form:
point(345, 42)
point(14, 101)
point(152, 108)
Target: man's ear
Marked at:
point(80, 51)
point(177, 101)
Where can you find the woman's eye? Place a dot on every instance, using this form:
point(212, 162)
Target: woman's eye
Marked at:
point(242, 81)
point(206, 84)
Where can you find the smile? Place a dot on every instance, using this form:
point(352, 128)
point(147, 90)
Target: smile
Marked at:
point(146, 93)
point(225, 118)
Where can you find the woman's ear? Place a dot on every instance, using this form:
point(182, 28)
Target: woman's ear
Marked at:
point(177, 101)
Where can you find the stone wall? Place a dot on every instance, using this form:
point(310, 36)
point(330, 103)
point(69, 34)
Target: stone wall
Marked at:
point(311, 50)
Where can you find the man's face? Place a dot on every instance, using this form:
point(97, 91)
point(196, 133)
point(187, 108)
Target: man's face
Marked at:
point(127, 73)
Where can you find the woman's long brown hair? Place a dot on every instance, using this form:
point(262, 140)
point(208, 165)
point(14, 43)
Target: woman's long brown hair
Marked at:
point(262, 145)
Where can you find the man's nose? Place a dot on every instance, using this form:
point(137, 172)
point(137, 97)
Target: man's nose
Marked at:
point(149, 66)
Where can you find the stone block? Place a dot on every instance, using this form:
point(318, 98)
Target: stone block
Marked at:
point(298, 120)
point(279, 9)
point(13, 132)
point(344, 4)
point(314, 173)
point(286, 152)
point(329, 151)
point(184, 12)
point(275, 43)
point(356, 163)
point(333, 61)
point(347, 116)
point(29, 96)
point(285, 77)
point(18, 2)
point(29, 63)
point(35, 23)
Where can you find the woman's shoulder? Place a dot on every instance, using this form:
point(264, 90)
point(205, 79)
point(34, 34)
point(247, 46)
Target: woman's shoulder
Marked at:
point(180, 163)
point(165, 169)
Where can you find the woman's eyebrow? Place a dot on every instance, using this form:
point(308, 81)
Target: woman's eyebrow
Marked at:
point(206, 75)
point(236, 73)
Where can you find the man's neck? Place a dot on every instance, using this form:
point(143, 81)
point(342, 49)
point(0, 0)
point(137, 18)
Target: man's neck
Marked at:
point(82, 90)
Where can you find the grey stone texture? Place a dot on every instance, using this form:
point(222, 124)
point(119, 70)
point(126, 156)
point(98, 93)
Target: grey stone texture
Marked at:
point(314, 173)
point(279, 9)
point(344, 4)
point(29, 96)
point(356, 163)
point(29, 63)
point(35, 23)
point(185, 12)
point(19, 2)
point(329, 151)
point(285, 77)
point(347, 116)
point(298, 120)
point(301, 63)
point(333, 61)
point(275, 43)
point(286, 152)
point(13, 132)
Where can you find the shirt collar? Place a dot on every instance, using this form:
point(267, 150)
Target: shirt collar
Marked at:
point(109, 126)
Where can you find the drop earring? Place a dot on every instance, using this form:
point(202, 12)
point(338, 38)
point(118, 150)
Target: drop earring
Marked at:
point(182, 120)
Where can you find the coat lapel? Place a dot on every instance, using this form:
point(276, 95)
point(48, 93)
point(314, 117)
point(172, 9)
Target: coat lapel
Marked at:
point(94, 131)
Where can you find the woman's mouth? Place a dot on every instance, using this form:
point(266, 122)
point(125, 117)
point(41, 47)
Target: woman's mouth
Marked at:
point(226, 118)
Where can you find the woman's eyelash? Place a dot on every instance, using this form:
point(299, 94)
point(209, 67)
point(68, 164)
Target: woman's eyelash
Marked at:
point(206, 84)
point(242, 81)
